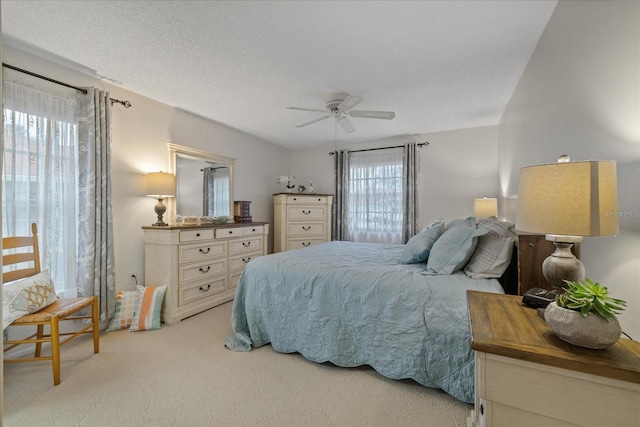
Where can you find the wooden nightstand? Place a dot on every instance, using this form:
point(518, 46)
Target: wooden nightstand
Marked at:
point(526, 376)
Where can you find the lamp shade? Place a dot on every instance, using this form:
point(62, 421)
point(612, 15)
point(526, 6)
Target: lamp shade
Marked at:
point(161, 184)
point(570, 199)
point(485, 207)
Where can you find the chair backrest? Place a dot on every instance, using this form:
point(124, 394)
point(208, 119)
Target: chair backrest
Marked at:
point(11, 257)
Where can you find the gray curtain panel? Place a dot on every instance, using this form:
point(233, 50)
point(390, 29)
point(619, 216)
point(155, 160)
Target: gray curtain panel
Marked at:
point(95, 262)
point(341, 170)
point(411, 175)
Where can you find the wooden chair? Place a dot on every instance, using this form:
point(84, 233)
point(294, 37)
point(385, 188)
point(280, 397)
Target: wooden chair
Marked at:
point(62, 310)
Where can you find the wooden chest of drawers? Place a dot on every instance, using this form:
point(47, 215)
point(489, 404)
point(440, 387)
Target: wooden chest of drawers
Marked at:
point(301, 220)
point(200, 265)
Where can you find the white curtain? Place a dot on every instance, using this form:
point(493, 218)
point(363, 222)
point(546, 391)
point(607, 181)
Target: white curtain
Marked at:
point(40, 159)
point(216, 191)
point(375, 196)
point(56, 173)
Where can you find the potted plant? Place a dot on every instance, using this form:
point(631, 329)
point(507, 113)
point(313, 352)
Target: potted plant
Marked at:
point(585, 315)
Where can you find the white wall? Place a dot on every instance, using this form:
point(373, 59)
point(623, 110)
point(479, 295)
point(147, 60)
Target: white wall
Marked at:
point(139, 145)
point(579, 95)
point(456, 167)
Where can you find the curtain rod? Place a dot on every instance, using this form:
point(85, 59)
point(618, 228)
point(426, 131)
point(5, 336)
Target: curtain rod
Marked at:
point(421, 144)
point(126, 104)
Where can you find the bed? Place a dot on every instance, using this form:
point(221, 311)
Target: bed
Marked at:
point(356, 304)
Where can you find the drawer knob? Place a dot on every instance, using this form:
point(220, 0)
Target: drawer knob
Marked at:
point(247, 259)
point(230, 231)
point(205, 271)
point(203, 251)
point(306, 243)
point(197, 234)
point(253, 229)
point(205, 290)
point(246, 244)
point(306, 212)
point(295, 198)
point(306, 227)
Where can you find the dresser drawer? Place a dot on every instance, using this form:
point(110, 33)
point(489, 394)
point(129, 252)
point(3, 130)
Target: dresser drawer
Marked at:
point(228, 232)
point(253, 231)
point(201, 251)
point(306, 228)
point(202, 289)
point(234, 278)
point(306, 200)
point(201, 270)
point(306, 213)
point(195, 235)
point(239, 261)
point(303, 243)
point(244, 245)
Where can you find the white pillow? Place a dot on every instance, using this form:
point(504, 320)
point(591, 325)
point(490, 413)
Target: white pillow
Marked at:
point(493, 253)
point(26, 296)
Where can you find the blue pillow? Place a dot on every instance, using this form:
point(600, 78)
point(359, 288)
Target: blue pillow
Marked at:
point(454, 248)
point(418, 247)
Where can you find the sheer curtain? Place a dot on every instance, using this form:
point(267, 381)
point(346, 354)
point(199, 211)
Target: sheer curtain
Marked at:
point(215, 192)
point(57, 173)
point(39, 176)
point(376, 195)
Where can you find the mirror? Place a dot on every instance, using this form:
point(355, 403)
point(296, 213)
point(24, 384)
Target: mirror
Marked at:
point(204, 182)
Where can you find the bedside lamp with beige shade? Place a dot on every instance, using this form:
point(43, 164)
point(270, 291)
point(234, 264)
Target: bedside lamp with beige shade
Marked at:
point(485, 207)
point(161, 185)
point(567, 201)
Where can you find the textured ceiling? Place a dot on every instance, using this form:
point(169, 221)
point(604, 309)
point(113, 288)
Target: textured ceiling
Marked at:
point(440, 65)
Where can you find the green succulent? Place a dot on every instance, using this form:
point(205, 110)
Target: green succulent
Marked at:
point(588, 297)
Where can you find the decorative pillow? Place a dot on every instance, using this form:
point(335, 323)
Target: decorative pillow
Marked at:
point(126, 302)
point(493, 254)
point(147, 313)
point(26, 296)
point(454, 248)
point(418, 247)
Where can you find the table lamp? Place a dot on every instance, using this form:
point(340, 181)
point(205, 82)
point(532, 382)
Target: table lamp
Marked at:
point(485, 207)
point(161, 185)
point(567, 201)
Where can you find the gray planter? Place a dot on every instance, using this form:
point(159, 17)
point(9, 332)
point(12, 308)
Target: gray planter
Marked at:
point(591, 332)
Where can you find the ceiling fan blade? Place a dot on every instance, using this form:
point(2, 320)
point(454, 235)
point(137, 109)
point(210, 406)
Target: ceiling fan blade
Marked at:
point(306, 109)
point(345, 123)
point(349, 102)
point(386, 115)
point(313, 121)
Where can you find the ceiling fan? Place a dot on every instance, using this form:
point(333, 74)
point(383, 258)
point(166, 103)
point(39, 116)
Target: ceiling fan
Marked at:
point(339, 106)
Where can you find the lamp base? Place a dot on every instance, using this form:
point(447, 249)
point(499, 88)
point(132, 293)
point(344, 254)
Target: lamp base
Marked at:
point(562, 264)
point(160, 209)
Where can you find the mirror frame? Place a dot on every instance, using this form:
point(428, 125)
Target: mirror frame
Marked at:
point(176, 150)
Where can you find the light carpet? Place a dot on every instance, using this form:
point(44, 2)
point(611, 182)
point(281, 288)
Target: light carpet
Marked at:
point(183, 375)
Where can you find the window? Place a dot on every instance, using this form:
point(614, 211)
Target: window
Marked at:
point(40, 176)
point(375, 196)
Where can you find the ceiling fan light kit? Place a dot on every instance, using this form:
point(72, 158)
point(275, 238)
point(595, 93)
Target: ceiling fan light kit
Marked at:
point(339, 106)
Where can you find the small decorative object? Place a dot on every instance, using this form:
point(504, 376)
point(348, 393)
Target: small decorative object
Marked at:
point(288, 180)
point(310, 189)
point(241, 211)
point(178, 219)
point(585, 315)
point(301, 188)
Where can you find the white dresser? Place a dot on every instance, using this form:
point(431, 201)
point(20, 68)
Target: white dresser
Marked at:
point(200, 265)
point(301, 220)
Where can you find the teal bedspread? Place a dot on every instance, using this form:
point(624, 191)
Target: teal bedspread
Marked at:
point(354, 304)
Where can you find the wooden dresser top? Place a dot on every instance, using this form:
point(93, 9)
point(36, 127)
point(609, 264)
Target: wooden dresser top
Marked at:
point(502, 325)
